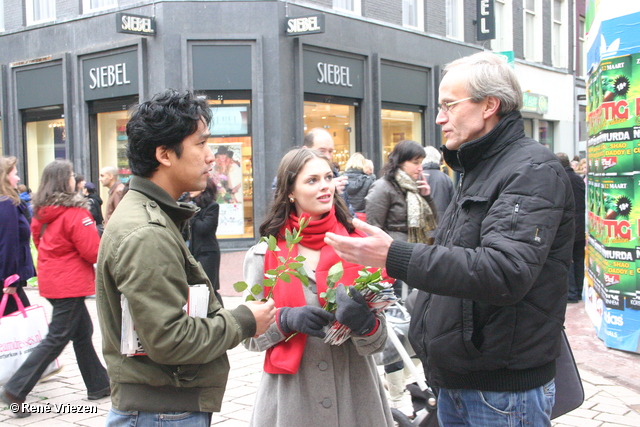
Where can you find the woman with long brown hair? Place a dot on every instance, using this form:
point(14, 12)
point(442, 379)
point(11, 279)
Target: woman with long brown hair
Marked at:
point(15, 235)
point(307, 381)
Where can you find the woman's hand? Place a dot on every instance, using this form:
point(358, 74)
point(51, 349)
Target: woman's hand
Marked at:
point(423, 185)
point(353, 311)
point(10, 290)
point(308, 319)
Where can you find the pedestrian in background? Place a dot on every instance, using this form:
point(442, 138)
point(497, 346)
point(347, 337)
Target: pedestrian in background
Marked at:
point(440, 183)
point(203, 226)
point(109, 179)
point(67, 243)
point(359, 183)
point(15, 235)
point(489, 322)
point(576, 273)
point(95, 205)
point(307, 381)
point(400, 203)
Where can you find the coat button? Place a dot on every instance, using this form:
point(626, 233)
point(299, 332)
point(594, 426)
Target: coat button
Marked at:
point(326, 402)
point(323, 366)
point(153, 204)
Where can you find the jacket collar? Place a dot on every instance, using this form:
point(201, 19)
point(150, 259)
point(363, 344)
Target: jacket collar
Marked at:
point(178, 212)
point(509, 129)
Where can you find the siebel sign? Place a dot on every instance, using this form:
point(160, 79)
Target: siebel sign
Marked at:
point(302, 25)
point(135, 24)
point(486, 24)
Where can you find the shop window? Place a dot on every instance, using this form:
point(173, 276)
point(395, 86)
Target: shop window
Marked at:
point(94, 5)
point(46, 141)
point(545, 134)
point(397, 126)
point(231, 143)
point(1, 130)
point(339, 121)
point(112, 145)
point(455, 19)
point(38, 11)
point(581, 49)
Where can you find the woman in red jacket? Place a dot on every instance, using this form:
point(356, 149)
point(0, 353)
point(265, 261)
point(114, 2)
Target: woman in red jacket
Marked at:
point(67, 242)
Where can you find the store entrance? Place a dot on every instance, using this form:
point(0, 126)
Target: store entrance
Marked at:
point(339, 120)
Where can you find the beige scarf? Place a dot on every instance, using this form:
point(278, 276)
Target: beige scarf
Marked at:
point(420, 218)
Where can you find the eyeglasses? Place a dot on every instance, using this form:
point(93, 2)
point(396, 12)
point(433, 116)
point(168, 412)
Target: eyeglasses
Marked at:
point(446, 106)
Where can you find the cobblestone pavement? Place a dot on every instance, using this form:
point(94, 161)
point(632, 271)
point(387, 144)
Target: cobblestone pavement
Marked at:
point(610, 377)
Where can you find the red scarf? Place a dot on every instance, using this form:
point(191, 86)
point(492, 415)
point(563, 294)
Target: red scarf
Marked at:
point(285, 357)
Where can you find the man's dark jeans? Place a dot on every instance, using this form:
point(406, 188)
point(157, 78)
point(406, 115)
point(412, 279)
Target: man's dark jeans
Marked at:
point(70, 322)
point(576, 273)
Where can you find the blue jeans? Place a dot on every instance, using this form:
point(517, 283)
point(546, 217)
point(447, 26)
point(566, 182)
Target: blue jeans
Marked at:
point(489, 408)
point(117, 418)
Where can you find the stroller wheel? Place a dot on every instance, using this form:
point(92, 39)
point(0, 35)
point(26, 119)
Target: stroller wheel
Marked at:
point(400, 419)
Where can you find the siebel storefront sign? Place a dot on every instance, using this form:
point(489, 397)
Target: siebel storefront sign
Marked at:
point(301, 25)
point(135, 24)
point(110, 75)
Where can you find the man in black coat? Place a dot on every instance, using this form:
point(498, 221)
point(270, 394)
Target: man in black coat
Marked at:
point(576, 274)
point(488, 326)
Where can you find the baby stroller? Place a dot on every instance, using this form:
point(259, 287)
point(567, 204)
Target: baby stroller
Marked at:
point(422, 397)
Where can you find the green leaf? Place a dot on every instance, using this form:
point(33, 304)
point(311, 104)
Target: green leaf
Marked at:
point(285, 277)
point(294, 265)
point(335, 273)
point(297, 240)
point(273, 244)
point(240, 286)
point(282, 259)
point(299, 258)
point(288, 237)
point(330, 295)
point(250, 298)
point(268, 283)
point(302, 276)
point(256, 289)
point(272, 272)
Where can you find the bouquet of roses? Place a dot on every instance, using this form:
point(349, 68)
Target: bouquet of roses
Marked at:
point(378, 293)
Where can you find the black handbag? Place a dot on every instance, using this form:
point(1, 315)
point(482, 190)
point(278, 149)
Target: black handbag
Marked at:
point(569, 390)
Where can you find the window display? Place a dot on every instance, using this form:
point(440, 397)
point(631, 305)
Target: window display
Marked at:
point(339, 121)
point(46, 141)
point(112, 145)
point(397, 126)
point(231, 144)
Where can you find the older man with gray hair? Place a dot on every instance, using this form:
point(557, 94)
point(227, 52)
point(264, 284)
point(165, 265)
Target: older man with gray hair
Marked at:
point(489, 325)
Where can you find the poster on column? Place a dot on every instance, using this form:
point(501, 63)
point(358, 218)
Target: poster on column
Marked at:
point(227, 174)
point(612, 294)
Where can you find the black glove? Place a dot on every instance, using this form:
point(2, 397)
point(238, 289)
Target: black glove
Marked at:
point(307, 319)
point(353, 311)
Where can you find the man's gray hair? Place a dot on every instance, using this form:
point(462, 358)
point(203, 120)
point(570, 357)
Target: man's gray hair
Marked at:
point(431, 155)
point(490, 75)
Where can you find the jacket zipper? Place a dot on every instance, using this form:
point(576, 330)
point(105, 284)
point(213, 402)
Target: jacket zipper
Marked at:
point(514, 217)
point(455, 216)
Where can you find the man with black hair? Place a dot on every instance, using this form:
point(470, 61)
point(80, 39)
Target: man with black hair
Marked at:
point(143, 259)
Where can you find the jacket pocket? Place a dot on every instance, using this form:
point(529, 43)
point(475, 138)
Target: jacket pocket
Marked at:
point(471, 213)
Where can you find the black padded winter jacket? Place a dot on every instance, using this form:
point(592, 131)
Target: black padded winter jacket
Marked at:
point(497, 276)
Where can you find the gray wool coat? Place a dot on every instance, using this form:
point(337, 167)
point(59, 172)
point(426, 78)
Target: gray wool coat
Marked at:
point(335, 385)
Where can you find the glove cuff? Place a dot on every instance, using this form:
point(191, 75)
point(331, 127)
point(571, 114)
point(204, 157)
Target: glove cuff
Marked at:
point(281, 320)
point(369, 327)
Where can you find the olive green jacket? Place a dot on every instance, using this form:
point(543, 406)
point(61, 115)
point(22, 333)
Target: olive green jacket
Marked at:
point(144, 257)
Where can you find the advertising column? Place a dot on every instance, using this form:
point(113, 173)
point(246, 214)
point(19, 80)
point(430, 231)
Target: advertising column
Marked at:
point(613, 180)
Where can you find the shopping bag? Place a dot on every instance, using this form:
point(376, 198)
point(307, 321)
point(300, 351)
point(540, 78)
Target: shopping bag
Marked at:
point(569, 391)
point(20, 333)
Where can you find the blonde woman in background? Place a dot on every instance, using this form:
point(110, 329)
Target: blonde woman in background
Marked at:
point(359, 183)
